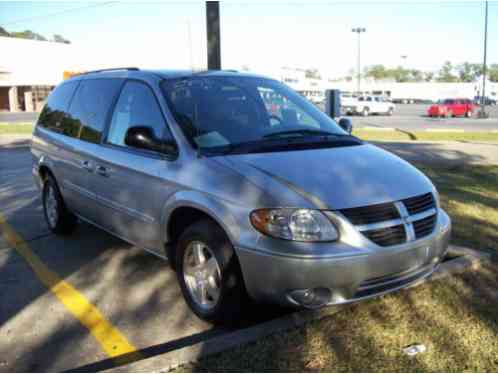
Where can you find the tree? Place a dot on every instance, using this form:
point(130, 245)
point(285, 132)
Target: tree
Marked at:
point(493, 73)
point(428, 76)
point(312, 73)
point(3, 32)
point(468, 72)
point(376, 72)
point(446, 73)
point(59, 39)
point(27, 34)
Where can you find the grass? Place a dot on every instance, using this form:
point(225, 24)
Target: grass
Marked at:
point(456, 318)
point(16, 128)
point(401, 135)
point(382, 135)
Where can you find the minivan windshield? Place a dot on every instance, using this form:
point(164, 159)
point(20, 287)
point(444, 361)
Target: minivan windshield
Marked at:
point(220, 112)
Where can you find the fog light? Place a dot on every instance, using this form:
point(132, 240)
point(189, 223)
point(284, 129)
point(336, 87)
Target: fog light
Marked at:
point(311, 298)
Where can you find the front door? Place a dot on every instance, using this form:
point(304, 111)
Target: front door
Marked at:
point(130, 193)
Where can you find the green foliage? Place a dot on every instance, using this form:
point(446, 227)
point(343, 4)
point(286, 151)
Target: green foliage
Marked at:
point(464, 72)
point(398, 74)
point(59, 39)
point(468, 72)
point(493, 72)
point(312, 73)
point(3, 32)
point(28, 34)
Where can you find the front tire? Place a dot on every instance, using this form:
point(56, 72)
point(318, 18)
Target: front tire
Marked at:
point(468, 114)
point(365, 112)
point(59, 219)
point(209, 274)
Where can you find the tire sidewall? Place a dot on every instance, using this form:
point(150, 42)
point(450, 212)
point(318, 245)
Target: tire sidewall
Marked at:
point(231, 287)
point(50, 183)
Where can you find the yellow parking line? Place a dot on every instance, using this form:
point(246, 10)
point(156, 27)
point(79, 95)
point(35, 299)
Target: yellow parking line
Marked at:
point(112, 341)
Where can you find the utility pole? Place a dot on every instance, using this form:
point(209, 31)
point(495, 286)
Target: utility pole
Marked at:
point(213, 35)
point(358, 30)
point(482, 112)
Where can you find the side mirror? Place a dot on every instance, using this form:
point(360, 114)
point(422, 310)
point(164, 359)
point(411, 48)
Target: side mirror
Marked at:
point(346, 125)
point(143, 137)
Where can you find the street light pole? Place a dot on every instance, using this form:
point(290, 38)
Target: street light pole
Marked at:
point(359, 30)
point(482, 112)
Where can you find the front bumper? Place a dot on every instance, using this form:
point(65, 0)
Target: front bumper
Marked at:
point(361, 274)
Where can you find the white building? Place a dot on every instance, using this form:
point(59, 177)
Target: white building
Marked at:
point(29, 70)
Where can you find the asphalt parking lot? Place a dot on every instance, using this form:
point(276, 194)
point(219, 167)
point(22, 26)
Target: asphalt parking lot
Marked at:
point(409, 117)
point(50, 285)
point(412, 117)
point(75, 302)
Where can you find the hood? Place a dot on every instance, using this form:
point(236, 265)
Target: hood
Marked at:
point(335, 178)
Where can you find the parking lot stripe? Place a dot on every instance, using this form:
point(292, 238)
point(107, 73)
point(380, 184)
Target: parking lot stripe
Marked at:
point(112, 341)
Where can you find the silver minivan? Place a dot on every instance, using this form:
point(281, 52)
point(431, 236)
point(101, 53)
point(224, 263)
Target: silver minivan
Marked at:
point(249, 190)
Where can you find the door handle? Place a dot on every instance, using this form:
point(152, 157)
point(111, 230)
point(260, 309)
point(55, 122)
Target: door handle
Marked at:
point(87, 165)
point(102, 171)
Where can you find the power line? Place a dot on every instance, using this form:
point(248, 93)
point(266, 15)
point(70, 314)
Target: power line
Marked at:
point(59, 13)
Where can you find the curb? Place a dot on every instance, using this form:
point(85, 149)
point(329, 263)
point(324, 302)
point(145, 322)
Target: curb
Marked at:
point(445, 130)
point(468, 259)
point(371, 128)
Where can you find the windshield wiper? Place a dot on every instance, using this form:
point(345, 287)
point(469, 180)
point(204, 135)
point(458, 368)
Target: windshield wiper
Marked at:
point(300, 132)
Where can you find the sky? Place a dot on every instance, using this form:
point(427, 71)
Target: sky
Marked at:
point(267, 35)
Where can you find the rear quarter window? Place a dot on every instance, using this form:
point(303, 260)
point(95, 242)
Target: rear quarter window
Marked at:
point(54, 115)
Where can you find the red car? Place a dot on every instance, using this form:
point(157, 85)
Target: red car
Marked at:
point(452, 108)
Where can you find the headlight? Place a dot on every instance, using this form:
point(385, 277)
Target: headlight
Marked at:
point(304, 225)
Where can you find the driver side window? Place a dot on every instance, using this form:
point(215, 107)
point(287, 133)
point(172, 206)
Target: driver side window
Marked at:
point(283, 111)
point(136, 106)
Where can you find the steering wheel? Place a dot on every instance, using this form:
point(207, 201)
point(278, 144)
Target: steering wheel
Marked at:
point(275, 117)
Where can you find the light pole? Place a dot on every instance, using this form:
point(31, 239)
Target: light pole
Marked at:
point(482, 112)
point(358, 30)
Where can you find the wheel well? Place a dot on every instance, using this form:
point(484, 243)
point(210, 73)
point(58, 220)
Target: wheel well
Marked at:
point(179, 220)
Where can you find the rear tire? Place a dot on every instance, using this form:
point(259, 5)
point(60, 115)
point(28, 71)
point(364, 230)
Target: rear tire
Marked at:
point(390, 112)
point(213, 288)
point(365, 112)
point(59, 219)
point(468, 114)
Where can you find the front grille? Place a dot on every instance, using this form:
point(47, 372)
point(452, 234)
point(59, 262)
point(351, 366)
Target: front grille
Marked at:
point(420, 203)
point(383, 224)
point(388, 236)
point(371, 214)
point(424, 227)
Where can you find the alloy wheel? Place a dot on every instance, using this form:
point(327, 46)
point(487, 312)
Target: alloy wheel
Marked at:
point(51, 207)
point(202, 275)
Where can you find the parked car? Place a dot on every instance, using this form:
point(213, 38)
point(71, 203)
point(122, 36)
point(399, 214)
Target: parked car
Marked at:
point(246, 199)
point(487, 100)
point(452, 108)
point(366, 105)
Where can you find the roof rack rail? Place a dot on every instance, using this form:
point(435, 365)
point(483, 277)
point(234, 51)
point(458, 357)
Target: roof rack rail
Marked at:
point(110, 69)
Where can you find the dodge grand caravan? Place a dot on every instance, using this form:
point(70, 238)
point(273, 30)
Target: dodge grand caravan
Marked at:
point(248, 189)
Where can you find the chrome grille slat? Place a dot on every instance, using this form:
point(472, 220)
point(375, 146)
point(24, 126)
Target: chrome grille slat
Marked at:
point(397, 222)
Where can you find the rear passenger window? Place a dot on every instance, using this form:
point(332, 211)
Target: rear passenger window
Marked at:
point(137, 106)
point(91, 105)
point(54, 115)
